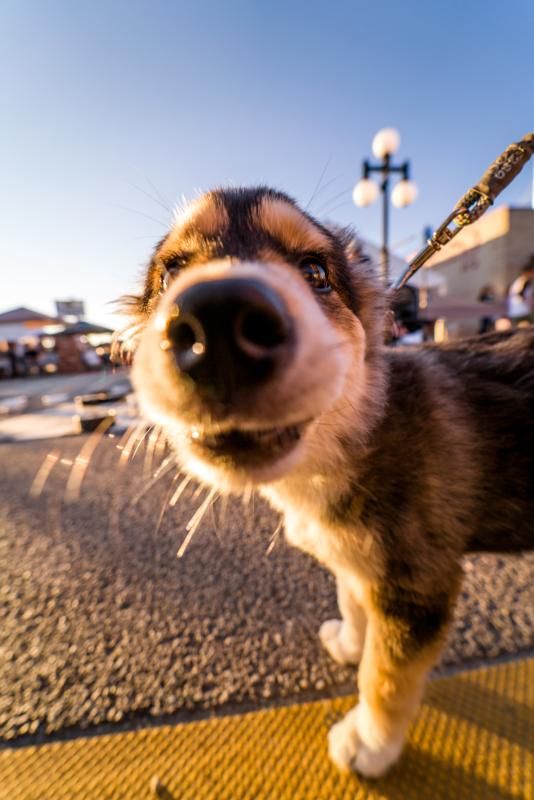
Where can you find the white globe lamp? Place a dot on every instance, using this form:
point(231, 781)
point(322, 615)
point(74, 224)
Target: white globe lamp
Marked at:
point(365, 192)
point(386, 142)
point(404, 194)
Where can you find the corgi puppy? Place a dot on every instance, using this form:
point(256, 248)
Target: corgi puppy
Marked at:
point(259, 349)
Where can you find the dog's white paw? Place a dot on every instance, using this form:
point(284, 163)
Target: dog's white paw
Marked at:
point(335, 638)
point(349, 752)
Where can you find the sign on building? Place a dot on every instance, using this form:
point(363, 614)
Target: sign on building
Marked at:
point(70, 310)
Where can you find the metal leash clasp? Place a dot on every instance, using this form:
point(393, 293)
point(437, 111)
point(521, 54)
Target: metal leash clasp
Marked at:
point(441, 236)
point(470, 208)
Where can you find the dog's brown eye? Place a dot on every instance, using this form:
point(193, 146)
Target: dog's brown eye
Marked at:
point(167, 274)
point(170, 269)
point(314, 272)
point(164, 279)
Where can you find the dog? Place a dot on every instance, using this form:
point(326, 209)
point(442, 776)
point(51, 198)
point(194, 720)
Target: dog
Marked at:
point(260, 350)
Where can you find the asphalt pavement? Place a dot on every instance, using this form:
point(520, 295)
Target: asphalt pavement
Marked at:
point(103, 626)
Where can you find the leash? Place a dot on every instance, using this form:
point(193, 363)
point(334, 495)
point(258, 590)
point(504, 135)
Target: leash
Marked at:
point(474, 203)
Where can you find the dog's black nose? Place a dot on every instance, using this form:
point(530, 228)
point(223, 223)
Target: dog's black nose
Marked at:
point(229, 334)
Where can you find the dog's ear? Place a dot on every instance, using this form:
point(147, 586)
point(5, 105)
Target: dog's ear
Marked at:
point(369, 292)
point(346, 236)
point(354, 249)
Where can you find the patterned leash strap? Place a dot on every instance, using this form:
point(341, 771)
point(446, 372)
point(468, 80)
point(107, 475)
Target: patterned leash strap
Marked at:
point(474, 203)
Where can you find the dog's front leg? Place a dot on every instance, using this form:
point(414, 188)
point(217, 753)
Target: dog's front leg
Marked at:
point(399, 651)
point(344, 638)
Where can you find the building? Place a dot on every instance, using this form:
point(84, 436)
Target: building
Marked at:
point(480, 264)
point(20, 324)
point(32, 343)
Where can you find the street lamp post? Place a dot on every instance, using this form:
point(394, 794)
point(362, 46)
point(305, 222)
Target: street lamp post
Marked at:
point(385, 144)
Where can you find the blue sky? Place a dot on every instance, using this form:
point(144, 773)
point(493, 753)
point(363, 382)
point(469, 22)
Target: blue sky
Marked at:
point(113, 110)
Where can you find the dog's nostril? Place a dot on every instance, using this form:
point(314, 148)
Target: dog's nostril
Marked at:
point(186, 337)
point(257, 331)
point(182, 335)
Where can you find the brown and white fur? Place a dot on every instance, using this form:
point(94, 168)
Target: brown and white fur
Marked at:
point(387, 465)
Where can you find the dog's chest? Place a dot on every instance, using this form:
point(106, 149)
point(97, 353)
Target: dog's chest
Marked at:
point(339, 548)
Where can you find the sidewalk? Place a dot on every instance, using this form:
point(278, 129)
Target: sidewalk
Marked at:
point(472, 740)
point(52, 384)
point(43, 407)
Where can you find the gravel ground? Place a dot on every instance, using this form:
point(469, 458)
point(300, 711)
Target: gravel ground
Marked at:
point(101, 623)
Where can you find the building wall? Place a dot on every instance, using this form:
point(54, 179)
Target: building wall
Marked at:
point(520, 242)
point(492, 251)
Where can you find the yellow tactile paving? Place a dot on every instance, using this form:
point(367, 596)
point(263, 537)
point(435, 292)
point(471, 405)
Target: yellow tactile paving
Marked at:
point(473, 739)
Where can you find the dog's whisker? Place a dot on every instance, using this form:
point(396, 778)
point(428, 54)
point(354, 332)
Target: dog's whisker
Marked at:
point(167, 204)
point(198, 491)
point(201, 510)
point(161, 444)
point(223, 510)
point(140, 441)
point(125, 436)
point(246, 497)
point(325, 205)
point(154, 199)
point(162, 470)
point(43, 473)
point(162, 466)
point(82, 461)
point(339, 205)
point(149, 452)
point(324, 187)
point(194, 523)
point(180, 490)
point(166, 201)
point(247, 494)
point(165, 505)
point(141, 214)
point(318, 184)
point(274, 537)
point(135, 436)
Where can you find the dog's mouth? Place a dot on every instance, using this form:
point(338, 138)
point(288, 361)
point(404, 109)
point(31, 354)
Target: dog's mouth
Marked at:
point(241, 448)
